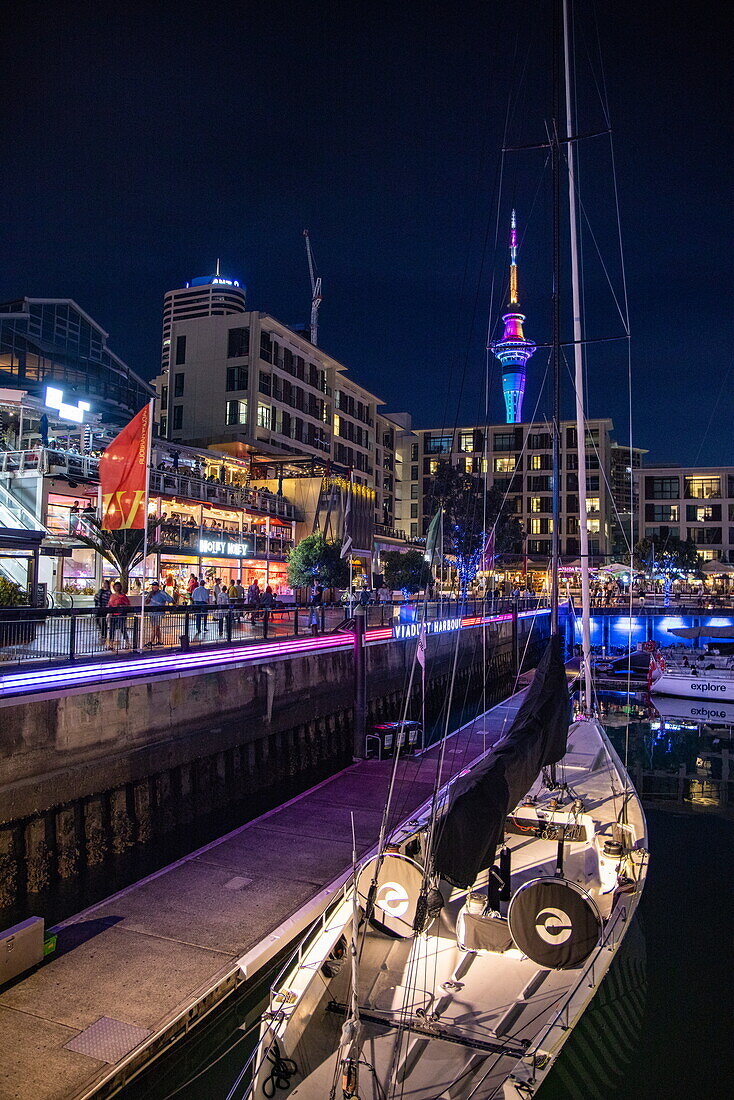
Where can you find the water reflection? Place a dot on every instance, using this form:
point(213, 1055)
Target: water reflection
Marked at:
point(677, 750)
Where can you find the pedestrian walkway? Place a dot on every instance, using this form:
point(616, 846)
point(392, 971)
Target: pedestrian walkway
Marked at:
point(129, 970)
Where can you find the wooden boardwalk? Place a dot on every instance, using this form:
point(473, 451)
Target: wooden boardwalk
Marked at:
point(129, 972)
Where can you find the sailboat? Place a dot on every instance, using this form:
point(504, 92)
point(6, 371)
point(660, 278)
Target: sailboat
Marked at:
point(457, 961)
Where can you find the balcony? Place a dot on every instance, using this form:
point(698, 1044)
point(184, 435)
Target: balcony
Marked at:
point(385, 532)
point(169, 482)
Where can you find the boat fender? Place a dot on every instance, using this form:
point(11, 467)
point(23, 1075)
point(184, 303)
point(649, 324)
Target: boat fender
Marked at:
point(421, 912)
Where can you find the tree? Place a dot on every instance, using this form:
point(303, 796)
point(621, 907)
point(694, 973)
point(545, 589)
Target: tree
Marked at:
point(315, 560)
point(669, 556)
point(123, 549)
point(469, 517)
point(407, 571)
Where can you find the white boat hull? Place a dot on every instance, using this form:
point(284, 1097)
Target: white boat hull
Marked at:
point(713, 685)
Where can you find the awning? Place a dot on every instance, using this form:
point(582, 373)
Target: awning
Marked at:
point(717, 568)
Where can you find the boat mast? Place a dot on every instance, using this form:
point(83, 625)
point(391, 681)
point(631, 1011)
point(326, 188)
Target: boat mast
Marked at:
point(578, 372)
point(556, 324)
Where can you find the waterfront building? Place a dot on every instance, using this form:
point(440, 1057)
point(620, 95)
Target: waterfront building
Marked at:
point(246, 383)
point(61, 387)
point(625, 464)
point(518, 461)
point(689, 502)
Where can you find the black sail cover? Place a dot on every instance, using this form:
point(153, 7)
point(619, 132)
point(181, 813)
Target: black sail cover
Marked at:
point(473, 825)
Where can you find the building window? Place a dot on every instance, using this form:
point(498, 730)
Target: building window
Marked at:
point(164, 426)
point(237, 412)
point(164, 396)
point(539, 546)
point(705, 536)
point(414, 511)
point(414, 492)
point(470, 441)
point(593, 526)
point(237, 378)
point(539, 441)
point(414, 454)
point(238, 343)
point(265, 382)
point(266, 347)
point(592, 505)
point(707, 513)
point(264, 416)
point(534, 504)
point(413, 473)
point(703, 487)
point(180, 350)
point(178, 384)
point(414, 530)
point(505, 465)
point(437, 444)
point(662, 488)
point(177, 416)
point(504, 441)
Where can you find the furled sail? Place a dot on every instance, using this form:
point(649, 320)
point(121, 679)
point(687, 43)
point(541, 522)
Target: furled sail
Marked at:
point(468, 834)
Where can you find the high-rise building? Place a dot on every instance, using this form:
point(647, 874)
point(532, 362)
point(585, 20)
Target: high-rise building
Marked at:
point(513, 350)
point(206, 296)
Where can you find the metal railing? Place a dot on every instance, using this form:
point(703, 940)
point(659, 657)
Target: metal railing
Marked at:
point(64, 634)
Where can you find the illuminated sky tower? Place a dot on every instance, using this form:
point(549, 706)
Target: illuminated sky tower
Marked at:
point(513, 350)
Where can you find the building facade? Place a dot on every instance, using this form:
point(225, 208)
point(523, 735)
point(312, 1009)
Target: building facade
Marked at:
point(518, 461)
point(243, 381)
point(689, 502)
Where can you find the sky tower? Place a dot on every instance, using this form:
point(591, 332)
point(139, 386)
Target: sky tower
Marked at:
point(513, 350)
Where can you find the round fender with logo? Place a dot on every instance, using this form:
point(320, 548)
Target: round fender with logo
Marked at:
point(554, 922)
point(396, 894)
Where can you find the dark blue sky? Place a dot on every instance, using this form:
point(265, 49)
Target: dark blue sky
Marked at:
point(142, 141)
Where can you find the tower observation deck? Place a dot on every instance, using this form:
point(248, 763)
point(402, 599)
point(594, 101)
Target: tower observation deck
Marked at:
point(513, 350)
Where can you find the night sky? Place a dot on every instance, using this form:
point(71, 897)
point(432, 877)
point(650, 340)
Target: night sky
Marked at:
point(142, 141)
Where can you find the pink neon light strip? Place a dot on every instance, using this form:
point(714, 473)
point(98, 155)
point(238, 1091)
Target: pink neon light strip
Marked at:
point(48, 679)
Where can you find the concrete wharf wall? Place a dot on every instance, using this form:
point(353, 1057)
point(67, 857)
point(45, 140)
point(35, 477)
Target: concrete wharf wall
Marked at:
point(94, 773)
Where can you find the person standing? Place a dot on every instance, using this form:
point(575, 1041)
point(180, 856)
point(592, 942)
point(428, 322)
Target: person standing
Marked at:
point(117, 608)
point(101, 602)
point(192, 583)
point(314, 608)
point(222, 602)
point(157, 600)
point(200, 600)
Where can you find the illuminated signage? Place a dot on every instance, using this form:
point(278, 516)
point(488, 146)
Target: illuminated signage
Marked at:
point(55, 400)
point(223, 548)
point(224, 282)
point(403, 631)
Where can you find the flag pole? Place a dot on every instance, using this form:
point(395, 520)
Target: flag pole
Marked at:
point(148, 450)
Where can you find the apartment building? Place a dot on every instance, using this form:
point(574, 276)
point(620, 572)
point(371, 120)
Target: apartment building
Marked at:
point(689, 502)
point(518, 461)
point(246, 382)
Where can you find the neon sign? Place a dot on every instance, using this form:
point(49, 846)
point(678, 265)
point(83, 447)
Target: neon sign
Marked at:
point(223, 548)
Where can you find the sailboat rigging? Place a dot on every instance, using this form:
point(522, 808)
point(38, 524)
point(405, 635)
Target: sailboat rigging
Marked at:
point(480, 929)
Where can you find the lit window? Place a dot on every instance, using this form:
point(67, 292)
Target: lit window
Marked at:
point(433, 466)
point(505, 465)
point(535, 462)
point(237, 412)
point(703, 487)
point(466, 441)
point(592, 505)
point(468, 465)
point(337, 424)
point(593, 526)
point(535, 526)
point(535, 504)
point(264, 416)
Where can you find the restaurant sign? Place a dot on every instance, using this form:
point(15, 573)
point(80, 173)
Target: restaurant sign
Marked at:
point(223, 548)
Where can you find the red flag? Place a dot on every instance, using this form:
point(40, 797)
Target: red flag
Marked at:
point(123, 470)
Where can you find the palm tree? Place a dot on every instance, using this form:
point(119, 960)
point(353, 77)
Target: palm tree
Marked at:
point(123, 549)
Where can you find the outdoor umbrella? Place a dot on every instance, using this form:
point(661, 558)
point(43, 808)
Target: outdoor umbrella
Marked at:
point(717, 568)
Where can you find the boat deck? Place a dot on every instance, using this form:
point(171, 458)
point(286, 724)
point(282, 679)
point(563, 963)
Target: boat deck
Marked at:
point(130, 970)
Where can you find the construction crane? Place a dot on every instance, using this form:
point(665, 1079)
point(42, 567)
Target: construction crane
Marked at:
point(315, 291)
